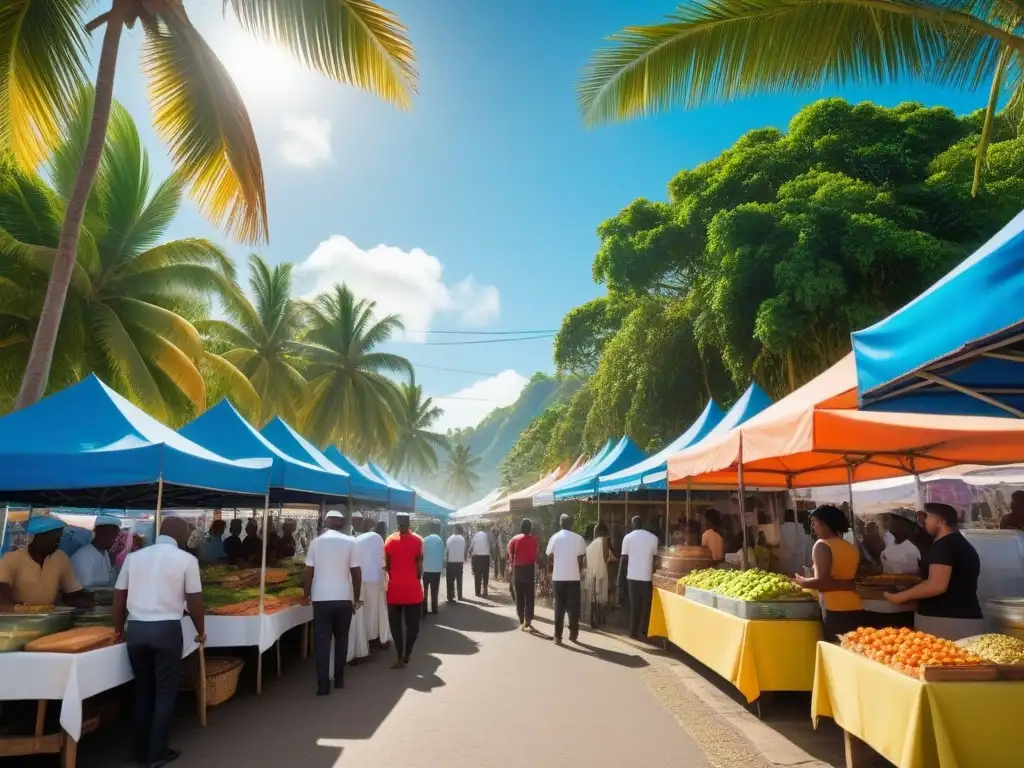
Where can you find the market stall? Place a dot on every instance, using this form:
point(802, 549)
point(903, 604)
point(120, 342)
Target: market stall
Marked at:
point(765, 645)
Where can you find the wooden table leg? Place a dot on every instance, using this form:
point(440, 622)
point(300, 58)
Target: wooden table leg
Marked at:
point(70, 751)
point(305, 640)
point(201, 687)
point(40, 717)
point(277, 648)
point(856, 754)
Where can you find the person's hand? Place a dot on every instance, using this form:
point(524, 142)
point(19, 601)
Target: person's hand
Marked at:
point(305, 600)
point(118, 636)
point(201, 638)
point(894, 597)
point(358, 605)
point(801, 580)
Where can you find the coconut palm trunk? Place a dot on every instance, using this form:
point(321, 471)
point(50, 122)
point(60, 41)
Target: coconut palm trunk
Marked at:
point(33, 384)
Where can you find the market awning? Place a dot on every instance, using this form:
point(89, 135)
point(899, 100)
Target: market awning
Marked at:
point(477, 508)
point(430, 505)
point(815, 437)
point(86, 446)
point(224, 430)
point(651, 473)
point(524, 498)
point(281, 434)
point(624, 454)
point(546, 495)
point(400, 497)
point(365, 485)
point(958, 348)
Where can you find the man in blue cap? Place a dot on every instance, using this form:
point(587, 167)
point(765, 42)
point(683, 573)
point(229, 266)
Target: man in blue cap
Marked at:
point(40, 572)
point(92, 562)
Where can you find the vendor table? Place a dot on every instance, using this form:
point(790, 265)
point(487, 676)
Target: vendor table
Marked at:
point(915, 724)
point(755, 656)
point(261, 632)
point(69, 678)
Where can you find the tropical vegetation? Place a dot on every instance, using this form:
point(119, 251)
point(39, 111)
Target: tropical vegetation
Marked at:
point(197, 108)
point(762, 261)
point(459, 472)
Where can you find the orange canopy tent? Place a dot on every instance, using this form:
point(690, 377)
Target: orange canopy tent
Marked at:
point(524, 499)
point(815, 437)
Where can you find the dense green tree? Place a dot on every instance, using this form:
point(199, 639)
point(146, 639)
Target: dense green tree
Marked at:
point(416, 444)
point(460, 475)
point(528, 459)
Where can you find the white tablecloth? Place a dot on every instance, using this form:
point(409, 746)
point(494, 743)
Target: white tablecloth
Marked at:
point(71, 677)
point(259, 631)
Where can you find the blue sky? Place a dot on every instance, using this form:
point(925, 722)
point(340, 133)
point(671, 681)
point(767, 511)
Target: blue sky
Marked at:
point(486, 196)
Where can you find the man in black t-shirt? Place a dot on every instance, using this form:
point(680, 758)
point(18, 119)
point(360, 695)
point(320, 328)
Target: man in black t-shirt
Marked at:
point(947, 599)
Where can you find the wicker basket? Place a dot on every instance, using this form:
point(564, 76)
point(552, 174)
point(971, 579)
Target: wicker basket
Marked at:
point(222, 673)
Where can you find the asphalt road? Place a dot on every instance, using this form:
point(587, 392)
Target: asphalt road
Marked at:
point(478, 693)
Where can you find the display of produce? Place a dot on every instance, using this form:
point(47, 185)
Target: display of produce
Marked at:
point(751, 585)
point(251, 607)
point(907, 650)
point(18, 628)
point(230, 591)
point(77, 640)
point(999, 649)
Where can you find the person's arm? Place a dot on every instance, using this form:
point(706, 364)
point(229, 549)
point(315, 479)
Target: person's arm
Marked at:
point(387, 563)
point(512, 549)
point(936, 584)
point(419, 563)
point(821, 558)
point(71, 589)
point(307, 574)
point(357, 586)
point(194, 600)
point(120, 609)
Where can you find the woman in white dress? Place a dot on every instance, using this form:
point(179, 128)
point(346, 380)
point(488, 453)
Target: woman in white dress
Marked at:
point(599, 554)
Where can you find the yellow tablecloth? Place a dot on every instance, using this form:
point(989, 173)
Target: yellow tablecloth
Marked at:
point(754, 656)
point(915, 724)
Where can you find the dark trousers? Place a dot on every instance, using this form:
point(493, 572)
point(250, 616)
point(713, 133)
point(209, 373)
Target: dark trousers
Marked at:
point(431, 584)
point(154, 652)
point(522, 588)
point(481, 572)
point(453, 579)
point(404, 640)
point(331, 620)
point(639, 606)
point(567, 600)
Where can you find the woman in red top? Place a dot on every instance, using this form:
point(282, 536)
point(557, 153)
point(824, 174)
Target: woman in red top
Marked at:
point(403, 560)
point(522, 554)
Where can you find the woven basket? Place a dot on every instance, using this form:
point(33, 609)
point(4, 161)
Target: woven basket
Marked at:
point(222, 673)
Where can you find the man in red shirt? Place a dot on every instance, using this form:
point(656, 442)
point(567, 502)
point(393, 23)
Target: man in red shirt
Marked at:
point(403, 561)
point(522, 554)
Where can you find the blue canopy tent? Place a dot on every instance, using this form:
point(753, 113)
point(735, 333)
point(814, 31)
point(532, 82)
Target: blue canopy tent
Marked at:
point(547, 496)
point(223, 429)
point(651, 473)
point(958, 348)
point(86, 446)
point(624, 454)
point(401, 498)
point(365, 485)
point(280, 433)
point(429, 505)
point(751, 403)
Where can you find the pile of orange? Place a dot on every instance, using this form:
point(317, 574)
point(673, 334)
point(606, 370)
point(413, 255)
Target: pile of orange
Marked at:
point(907, 650)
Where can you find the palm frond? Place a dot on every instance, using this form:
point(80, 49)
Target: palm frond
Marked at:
point(170, 326)
point(200, 115)
point(172, 361)
point(716, 50)
point(225, 331)
point(42, 47)
point(356, 42)
point(122, 357)
point(237, 387)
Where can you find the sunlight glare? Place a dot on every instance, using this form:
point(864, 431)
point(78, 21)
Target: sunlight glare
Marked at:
point(260, 70)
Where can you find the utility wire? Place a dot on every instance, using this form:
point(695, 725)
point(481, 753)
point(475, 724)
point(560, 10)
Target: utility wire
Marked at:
point(455, 370)
point(480, 341)
point(488, 333)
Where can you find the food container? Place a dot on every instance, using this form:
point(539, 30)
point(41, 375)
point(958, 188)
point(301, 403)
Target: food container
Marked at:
point(1007, 615)
point(701, 596)
point(680, 560)
point(103, 596)
point(18, 629)
point(100, 616)
point(769, 610)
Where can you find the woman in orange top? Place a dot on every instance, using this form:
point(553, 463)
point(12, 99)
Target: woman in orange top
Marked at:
point(835, 567)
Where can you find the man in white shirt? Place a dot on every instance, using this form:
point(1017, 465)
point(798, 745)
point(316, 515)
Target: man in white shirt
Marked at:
point(480, 550)
point(370, 550)
point(92, 562)
point(154, 587)
point(333, 582)
point(902, 556)
point(639, 548)
point(567, 549)
point(454, 562)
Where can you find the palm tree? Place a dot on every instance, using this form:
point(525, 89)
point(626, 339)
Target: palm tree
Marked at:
point(460, 471)
point(133, 297)
point(415, 444)
point(197, 109)
point(352, 403)
point(716, 50)
point(262, 340)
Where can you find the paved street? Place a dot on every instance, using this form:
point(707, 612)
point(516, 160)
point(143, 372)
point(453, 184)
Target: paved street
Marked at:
point(478, 693)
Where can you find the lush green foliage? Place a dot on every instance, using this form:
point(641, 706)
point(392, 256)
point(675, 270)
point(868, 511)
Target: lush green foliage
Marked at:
point(415, 447)
point(459, 471)
point(763, 261)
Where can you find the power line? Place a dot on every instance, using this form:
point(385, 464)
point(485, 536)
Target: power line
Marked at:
point(488, 333)
point(455, 370)
point(481, 341)
point(471, 399)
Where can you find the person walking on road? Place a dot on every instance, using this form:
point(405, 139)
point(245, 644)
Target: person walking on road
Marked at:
point(522, 554)
point(567, 549)
point(154, 586)
point(403, 558)
point(599, 554)
point(333, 582)
point(370, 552)
point(480, 549)
point(639, 548)
point(454, 564)
point(433, 564)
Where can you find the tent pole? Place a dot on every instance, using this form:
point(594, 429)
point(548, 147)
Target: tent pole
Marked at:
point(743, 511)
point(263, 555)
point(158, 515)
point(687, 532)
point(627, 509)
point(918, 487)
point(668, 511)
point(849, 486)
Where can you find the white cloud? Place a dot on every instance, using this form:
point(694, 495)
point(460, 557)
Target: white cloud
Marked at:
point(407, 283)
point(307, 141)
point(468, 406)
